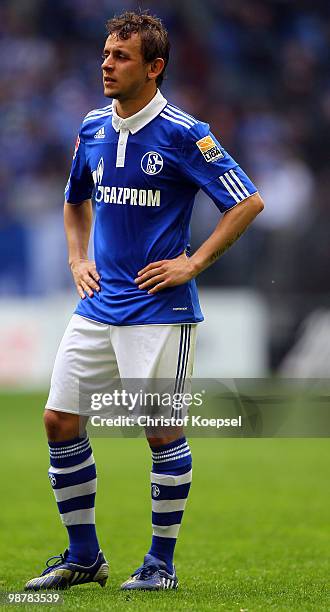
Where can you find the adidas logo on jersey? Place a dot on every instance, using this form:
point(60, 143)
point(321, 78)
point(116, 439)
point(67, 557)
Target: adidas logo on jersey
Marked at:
point(100, 133)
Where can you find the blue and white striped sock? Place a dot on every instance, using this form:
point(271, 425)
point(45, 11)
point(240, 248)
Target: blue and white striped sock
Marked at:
point(72, 474)
point(170, 483)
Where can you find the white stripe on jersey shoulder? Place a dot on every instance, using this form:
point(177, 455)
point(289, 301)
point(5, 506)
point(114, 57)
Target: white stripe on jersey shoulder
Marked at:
point(94, 117)
point(97, 111)
point(169, 111)
point(169, 118)
point(106, 111)
point(182, 113)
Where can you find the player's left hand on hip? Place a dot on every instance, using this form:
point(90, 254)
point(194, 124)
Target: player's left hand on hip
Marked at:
point(166, 273)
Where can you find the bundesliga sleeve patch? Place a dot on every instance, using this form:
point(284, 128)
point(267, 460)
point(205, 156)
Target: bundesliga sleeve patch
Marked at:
point(209, 149)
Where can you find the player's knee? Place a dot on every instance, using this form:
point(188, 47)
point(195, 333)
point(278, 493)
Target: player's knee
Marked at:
point(163, 437)
point(60, 426)
point(155, 442)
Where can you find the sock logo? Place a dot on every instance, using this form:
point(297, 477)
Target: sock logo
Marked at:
point(155, 491)
point(52, 480)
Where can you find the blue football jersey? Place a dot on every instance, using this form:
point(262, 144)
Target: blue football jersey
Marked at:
point(143, 173)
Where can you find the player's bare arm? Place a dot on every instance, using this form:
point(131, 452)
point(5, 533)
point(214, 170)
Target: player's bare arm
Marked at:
point(171, 272)
point(78, 223)
point(232, 225)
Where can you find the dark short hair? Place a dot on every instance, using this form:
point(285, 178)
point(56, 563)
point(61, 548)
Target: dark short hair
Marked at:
point(154, 37)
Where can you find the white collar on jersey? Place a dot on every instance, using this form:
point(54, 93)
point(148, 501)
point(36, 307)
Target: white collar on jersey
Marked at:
point(143, 117)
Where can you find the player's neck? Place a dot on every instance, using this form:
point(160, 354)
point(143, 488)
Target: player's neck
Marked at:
point(129, 107)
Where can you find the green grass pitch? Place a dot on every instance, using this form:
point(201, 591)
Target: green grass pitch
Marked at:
point(254, 537)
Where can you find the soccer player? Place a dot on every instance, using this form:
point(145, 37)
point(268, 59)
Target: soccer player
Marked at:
point(143, 159)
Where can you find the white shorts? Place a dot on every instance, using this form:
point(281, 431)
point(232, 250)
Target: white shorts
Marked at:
point(93, 355)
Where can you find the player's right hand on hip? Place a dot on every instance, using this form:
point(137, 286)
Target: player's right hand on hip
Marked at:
point(86, 277)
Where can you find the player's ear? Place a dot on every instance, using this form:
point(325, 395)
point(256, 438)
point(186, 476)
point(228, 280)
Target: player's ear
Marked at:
point(156, 68)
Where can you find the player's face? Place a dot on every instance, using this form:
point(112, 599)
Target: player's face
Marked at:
point(123, 67)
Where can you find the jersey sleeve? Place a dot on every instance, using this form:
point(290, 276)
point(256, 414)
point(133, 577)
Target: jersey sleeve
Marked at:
point(80, 184)
point(206, 163)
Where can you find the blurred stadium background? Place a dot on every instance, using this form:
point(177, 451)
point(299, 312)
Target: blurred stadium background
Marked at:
point(258, 73)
